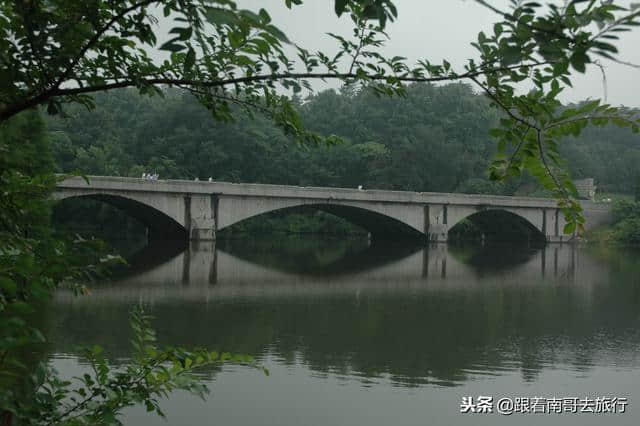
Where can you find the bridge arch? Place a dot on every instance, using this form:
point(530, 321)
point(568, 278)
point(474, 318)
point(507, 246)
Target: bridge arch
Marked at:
point(162, 224)
point(382, 221)
point(507, 223)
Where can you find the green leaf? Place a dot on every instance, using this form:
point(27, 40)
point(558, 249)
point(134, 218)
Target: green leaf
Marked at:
point(579, 61)
point(264, 15)
point(171, 46)
point(219, 16)
point(275, 31)
point(569, 228)
point(189, 60)
point(340, 6)
point(510, 55)
point(183, 33)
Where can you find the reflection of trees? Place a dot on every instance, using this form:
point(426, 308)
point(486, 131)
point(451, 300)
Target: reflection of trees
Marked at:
point(623, 267)
point(436, 337)
point(493, 257)
point(151, 256)
point(313, 256)
point(294, 253)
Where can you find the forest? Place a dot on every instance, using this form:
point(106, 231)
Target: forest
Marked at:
point(434, 139)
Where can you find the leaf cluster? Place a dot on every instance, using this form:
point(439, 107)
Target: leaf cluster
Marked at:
point(99, 395)
point(557, 41)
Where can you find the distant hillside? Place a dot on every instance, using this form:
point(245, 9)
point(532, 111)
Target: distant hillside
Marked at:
point(435, 139)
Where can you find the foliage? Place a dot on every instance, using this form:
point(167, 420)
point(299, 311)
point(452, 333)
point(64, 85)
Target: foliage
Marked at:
point(98, 396)
point(607, 153)
point(126, 134)
point(222, 54)
point(388, 143)
point(627, 231)
point(33, 262)
point(625, 209)
point(484, 186)
point(558, 42)
point(626, 215)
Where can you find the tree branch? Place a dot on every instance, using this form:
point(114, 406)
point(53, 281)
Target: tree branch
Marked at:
point(615, 23)
point(360, 46)
point(589, 117)
point(546, 165)
point(56, 92)
point(65, 75)
point(522, 141)
point(495, 99)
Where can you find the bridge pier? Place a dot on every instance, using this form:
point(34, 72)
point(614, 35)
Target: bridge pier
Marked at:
point(200, 216)
point(553, 223)
point(202, 234)
point(436, 225)
point(438, 233)
point(559, 238)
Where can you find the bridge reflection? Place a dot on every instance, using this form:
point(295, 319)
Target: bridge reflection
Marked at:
point(201, 265)
point(433, 315)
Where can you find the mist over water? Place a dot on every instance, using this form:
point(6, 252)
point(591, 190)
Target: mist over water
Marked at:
point(355, 333)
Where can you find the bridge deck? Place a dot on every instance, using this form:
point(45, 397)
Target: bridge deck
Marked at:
point(126, 184)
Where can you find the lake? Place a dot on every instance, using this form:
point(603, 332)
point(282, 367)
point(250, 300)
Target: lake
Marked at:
point(354, 333)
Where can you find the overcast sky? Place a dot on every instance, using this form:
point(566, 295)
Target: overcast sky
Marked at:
point(439, 29)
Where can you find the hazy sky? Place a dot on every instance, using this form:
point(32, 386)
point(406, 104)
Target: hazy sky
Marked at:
point(439, 29)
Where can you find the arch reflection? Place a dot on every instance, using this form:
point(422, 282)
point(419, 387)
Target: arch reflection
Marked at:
point(433, 316)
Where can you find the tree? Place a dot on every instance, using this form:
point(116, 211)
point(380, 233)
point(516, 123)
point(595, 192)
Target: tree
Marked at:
point(33, 263)
point(57, 52)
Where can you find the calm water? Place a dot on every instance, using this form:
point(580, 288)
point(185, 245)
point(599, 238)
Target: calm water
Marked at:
point(356, 335)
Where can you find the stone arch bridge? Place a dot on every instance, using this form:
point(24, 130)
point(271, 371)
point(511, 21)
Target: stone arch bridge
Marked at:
point(197, 210)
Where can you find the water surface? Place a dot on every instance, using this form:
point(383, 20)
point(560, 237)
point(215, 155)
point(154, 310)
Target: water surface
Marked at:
point(385, 334)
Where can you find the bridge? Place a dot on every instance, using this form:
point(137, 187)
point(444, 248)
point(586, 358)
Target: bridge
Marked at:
point(197, 210)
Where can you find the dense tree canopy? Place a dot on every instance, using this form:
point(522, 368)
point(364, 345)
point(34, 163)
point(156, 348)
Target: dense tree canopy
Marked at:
point(434, 139)
point(397, 143)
